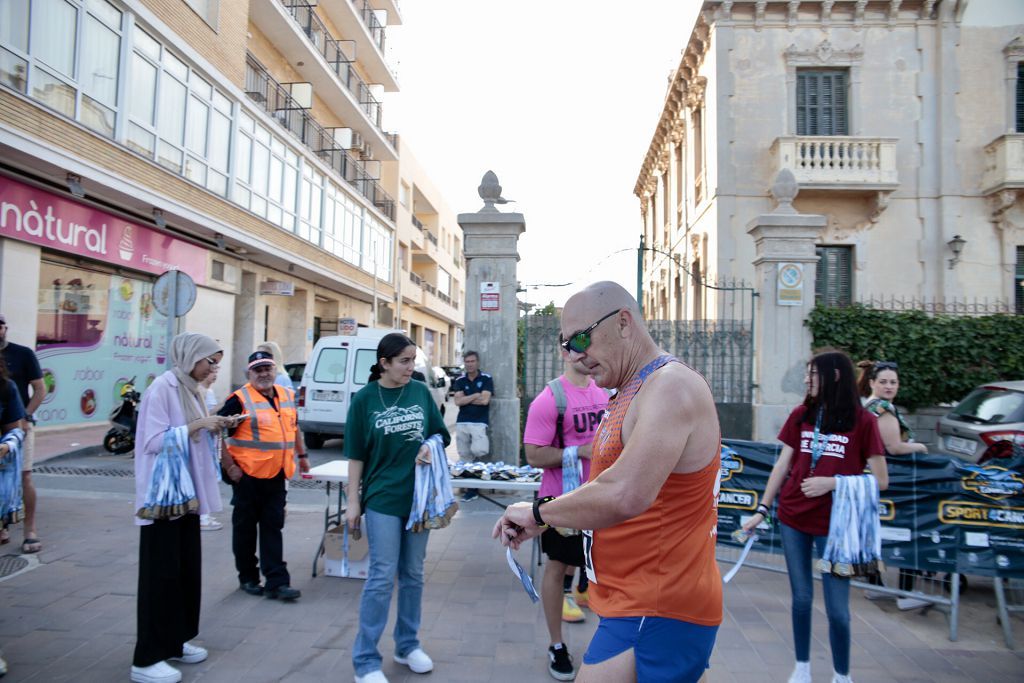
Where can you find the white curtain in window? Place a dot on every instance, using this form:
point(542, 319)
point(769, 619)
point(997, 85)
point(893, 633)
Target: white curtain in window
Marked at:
point(14, 24)
point(100, 50)
point(172, 110)
point(142, 91)
point(53, 34)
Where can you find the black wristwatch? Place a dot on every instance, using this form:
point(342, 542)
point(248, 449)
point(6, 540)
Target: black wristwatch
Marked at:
point(536, 509)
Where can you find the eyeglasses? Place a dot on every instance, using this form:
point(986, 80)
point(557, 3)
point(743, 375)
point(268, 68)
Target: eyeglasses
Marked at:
point(885, 365)
point(213, 362)
point(580, 341)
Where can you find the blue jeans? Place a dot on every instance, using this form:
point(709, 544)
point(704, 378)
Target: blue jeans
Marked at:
point(393, 551)
point(797, 547)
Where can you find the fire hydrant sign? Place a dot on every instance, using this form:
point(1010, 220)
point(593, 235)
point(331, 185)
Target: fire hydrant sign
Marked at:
point(490, 296)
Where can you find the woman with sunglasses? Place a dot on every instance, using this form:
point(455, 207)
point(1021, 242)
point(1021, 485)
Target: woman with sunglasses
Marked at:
point(826, 436)
point(170, 559)
point(879, 383)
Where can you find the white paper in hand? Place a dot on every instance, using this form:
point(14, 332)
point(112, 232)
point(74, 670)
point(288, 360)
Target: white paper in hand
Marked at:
point(518, 570)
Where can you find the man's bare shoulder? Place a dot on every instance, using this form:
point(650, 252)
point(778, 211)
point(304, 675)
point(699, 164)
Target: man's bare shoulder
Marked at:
point(680, 384)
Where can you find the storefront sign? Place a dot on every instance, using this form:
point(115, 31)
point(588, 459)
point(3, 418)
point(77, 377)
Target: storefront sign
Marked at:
point(39, 217)
point(276, 288)
point(790, 284)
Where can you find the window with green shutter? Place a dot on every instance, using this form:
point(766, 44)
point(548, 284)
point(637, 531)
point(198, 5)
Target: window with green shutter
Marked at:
point(1018, 278)
point(821, 100)
point(833, 283)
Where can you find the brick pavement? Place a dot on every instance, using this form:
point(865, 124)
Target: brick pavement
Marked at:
point(72, 618)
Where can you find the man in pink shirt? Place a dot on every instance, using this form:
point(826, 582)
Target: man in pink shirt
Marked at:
point(552, 439)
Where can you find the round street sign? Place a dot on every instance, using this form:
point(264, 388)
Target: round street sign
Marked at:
point(185, 293)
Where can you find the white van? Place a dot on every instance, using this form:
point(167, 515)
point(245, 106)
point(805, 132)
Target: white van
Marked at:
point(337, 369)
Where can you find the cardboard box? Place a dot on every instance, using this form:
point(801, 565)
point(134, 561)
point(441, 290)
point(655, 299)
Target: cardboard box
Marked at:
point(345, 556)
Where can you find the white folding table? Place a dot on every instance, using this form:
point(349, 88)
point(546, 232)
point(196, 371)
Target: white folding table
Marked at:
point(336, 471)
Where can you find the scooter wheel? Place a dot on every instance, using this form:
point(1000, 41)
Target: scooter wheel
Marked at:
point(118, 444)
point(110, 442)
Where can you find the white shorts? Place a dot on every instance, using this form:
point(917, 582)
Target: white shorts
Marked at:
point(471, 440)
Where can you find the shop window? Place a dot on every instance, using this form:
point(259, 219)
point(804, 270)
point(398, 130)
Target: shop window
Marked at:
point(833, 282)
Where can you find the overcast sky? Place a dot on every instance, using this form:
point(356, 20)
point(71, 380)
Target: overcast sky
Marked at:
point(560, 99)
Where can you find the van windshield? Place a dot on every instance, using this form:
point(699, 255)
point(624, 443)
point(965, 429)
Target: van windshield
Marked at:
point(364, 361)
point(330, 366)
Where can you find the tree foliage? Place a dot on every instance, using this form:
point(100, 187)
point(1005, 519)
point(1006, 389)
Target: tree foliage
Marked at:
point(941, 357)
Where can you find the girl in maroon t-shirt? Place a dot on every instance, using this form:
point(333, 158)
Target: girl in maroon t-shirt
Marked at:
point(829, 434)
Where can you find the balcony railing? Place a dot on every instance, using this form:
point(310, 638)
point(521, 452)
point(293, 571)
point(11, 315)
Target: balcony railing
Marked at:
point(275, 99)
point(1004, 164)
point(416, 279)
point(432, 237)
point(418, 223)
point(839, 162)
point(430, 288)
point(372, 23)
point(339, 59)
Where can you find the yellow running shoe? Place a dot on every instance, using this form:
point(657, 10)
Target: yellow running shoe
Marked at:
point(571, 612)
point(582, 599)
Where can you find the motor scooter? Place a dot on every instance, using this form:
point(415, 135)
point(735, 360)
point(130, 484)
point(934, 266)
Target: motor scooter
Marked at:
point(120, 437)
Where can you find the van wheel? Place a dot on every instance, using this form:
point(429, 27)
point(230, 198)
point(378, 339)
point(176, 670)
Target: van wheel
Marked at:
point(314, 441)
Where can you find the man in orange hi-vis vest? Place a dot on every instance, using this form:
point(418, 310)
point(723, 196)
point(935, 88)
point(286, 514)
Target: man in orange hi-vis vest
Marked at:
point(651, 503)
point(258, 457)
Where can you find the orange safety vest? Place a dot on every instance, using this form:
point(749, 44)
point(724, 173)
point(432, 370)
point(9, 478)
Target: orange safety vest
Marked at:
point(265, 443)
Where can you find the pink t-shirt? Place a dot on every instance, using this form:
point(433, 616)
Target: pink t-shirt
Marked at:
point(583, 410)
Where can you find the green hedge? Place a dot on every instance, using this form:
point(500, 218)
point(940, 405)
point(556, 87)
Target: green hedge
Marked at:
point(941, 357)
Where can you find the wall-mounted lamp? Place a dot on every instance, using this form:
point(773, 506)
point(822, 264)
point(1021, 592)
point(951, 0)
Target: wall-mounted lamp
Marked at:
point(74, 182)
point(956, 245)
point(158, 218)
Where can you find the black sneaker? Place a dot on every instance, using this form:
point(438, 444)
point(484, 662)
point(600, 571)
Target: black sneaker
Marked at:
point(251, 587)
point(560, 667)
point(282, 593)
point(469, 494)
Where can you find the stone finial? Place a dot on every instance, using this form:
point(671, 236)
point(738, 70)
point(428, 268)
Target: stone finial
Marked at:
point(784, 191)
point(490, 192)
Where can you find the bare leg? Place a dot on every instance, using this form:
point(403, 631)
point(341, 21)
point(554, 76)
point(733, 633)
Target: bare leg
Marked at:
point(29, 495)
point(551, 597)
point(619, 669)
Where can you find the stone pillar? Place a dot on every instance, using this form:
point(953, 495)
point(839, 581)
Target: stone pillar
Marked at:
point(784, 242)
point(491, 248)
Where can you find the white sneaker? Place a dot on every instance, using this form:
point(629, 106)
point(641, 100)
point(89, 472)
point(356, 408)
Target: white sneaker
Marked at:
point(209, 523)
point(840, 678)
point(912, 603)
point(801, 673)
point(877, 595)
point(191, 654)
point(373, 677)
point(417, 661)
point(161, 672)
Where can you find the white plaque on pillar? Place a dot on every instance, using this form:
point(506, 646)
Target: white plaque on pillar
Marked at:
point(790, 284)
point(490, 296)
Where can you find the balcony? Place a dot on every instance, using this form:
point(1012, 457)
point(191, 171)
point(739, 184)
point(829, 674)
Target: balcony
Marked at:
point(440, 304)
point(275, 99)
point(1004, 164)
point(412, 288)
point(357, 20)
point(832, 162)
point(328, 64)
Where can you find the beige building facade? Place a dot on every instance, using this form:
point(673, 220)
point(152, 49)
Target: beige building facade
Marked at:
point(903, 123)
point(238, 141)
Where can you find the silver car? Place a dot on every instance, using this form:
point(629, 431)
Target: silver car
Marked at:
point(987, 424)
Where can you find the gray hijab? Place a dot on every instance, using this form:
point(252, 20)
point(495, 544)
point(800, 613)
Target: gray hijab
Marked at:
point(187, 349)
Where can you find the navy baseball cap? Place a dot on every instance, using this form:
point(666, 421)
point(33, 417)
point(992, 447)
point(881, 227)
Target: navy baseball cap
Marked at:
point(260, 358)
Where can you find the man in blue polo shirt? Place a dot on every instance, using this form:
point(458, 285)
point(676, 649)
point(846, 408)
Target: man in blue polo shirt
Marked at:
point(23, 367)
point(473, 397)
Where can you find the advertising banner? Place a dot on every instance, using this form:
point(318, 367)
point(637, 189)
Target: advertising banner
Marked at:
point(938, 514)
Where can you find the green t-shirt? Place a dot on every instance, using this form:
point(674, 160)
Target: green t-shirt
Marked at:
point(385, 429)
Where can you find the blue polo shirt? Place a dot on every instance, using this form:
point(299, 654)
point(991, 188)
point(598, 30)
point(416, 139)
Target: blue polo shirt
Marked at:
point(474, 413)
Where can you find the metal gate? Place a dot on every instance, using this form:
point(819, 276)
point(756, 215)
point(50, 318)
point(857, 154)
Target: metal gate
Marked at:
point(721, 348)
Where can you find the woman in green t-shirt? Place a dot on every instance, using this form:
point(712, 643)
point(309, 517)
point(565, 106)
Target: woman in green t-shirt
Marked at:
point(388, 421)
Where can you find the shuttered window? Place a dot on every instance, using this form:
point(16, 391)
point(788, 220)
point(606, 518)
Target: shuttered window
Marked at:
point(1020, 101)
point(1018, 279)
point(821, 101)
point(833, 284)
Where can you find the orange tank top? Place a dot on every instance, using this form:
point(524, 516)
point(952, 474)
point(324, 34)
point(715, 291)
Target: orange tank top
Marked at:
point(662, 562)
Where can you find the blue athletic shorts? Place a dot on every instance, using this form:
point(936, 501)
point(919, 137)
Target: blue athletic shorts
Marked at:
point(666, 650)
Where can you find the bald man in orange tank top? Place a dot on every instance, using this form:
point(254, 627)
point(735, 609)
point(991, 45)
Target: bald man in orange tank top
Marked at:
point(651, 501)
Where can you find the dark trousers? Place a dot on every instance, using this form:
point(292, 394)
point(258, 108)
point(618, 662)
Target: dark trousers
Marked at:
point(170, 587)
point(259, 513)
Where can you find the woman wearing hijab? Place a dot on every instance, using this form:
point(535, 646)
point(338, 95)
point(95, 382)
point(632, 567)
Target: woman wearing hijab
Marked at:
point(170, 560)
point(282, 378)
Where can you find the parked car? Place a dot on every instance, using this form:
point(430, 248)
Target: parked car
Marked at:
point(453, 372)
point(987, 424)
point(295, 371)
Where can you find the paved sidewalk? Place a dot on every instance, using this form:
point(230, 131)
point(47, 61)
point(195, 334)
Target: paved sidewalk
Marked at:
point(71, 617)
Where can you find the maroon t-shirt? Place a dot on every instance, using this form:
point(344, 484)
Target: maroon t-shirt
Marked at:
point(846, 453)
